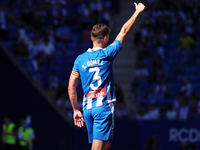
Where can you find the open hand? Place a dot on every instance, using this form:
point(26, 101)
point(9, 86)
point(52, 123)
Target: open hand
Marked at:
point(139, 7)
point(78, 119)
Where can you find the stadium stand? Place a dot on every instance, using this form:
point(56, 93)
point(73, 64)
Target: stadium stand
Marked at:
point(169, 49)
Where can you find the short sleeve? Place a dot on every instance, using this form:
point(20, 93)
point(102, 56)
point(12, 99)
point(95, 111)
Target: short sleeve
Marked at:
point(75, 69)
point(113, 48)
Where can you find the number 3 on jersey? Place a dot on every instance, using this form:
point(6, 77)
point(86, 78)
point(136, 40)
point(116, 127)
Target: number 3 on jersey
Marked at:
point(95, 77)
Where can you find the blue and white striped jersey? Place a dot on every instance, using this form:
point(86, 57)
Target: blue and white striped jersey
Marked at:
point(94, 67)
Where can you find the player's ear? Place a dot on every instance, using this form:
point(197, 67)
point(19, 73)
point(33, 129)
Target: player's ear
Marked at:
point(105, 38)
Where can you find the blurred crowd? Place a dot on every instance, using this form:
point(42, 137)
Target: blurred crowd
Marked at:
point(166, 80)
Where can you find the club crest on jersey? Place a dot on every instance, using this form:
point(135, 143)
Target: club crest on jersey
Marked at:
point(97, 93)
point(84, 67)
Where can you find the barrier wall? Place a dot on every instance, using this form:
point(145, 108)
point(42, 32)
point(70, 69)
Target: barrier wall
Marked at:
point(170, 133)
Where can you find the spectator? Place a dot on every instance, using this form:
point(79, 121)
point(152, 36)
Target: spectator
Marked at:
point(96, 5)
point(141, 73)
point(27, 13)
point(184, 112)
point(153, 113)
point(122, 111)
point(106, 17)
point(159, 68)
point(47, 48)
point(186, 42)
point(87, 12)
point(186, 87)
point(142, 115)
point(187, 146)
point(177, 102)
point(86, 34)
point(34, 47)
point(3, 23)
point(161, 91)
point(51, 33)
point(22, 34)
point(160, 50)
point(60, 102)
point(171, 113)
point(8, 134)
point(26, 135)
point(21, 49)
point(62, 32)
point(53, 81)
point(193, 102)
point(152, 143)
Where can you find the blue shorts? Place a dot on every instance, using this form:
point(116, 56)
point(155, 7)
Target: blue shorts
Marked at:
point(100, 122)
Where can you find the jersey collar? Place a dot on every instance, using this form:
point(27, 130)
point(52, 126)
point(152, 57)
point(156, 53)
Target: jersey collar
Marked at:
point(94, 49)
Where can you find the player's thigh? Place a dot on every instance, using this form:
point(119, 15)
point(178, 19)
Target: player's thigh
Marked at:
point(103, 123)
point(89, 124)
point(99, 145)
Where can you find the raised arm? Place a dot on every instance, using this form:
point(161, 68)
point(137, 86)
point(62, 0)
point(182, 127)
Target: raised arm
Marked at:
point(78, 117)
point(128, 26)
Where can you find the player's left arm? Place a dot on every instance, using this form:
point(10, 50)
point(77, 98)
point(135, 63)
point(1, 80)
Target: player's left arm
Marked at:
point(73, 83)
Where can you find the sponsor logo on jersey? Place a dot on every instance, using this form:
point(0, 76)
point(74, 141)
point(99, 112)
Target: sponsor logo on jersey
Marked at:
point(97, 93)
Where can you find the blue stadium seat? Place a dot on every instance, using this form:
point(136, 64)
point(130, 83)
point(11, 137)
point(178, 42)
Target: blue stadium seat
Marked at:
point(194, 78)
point(59, 54)
point(4, 2)
point(75, 38)
point(54, 67)
point(173, 44)
point(82, 50)
point(197, 45)
point(173, 86)
point(166, 101)
point(71, 53)
point(19, 60)
point(191, 69)
point(72, 45)
point(27, 64)
point(172, 61)
point(60, 45)
point(174, 36)
point(56, 61)
point(12, 35)
point(9, 45)
point(174, 94)
point(85, 45)
point(148, 63)
point(175, 29)
point(196, 87)
point(143, 85)
point(173, 54)
point(198, 62)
